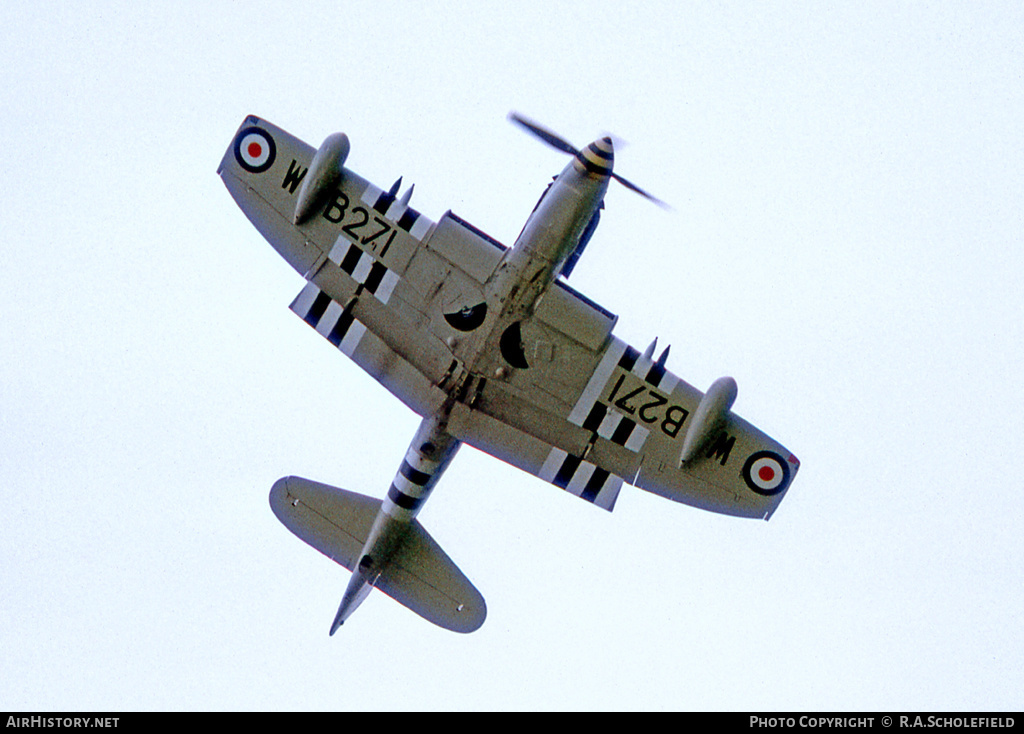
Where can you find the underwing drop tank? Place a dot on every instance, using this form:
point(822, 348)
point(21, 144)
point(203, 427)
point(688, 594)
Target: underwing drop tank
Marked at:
point(709, 416)
point(324, 173)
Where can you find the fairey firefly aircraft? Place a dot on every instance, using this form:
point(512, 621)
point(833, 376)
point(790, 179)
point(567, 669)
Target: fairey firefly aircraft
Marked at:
point(491, 347)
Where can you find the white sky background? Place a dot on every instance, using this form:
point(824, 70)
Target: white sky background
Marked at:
point(846, 241)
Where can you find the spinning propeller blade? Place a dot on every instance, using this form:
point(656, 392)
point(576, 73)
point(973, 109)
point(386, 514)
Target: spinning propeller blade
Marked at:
point(555, 141)
point(633, 187)
point(562, 145)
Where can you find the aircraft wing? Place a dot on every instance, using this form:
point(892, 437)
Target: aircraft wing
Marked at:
point(400, 295)
point(625, 418)
point(357, 252)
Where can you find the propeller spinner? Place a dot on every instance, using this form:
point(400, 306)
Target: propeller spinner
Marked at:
point(598, 157)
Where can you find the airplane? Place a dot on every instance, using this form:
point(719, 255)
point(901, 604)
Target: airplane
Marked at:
point(492, 348)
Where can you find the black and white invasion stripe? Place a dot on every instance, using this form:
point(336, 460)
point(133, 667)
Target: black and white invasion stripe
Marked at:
point(598, 380)
point(403, 215)
point(648, 370)
point(411, 486)
point(609, 423)
point(581, 478)
point(363, 268)
point(329, 318)
point(614, 426)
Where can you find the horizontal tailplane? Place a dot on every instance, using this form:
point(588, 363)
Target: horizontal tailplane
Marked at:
point(419, 576)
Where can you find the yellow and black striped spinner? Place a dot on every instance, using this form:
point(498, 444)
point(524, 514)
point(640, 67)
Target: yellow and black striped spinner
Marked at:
point(598, 157)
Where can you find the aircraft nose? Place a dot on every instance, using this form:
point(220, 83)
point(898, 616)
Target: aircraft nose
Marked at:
point(598, 157)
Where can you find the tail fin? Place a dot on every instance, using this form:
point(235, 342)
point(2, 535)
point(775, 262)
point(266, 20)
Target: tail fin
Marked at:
point(420, 576)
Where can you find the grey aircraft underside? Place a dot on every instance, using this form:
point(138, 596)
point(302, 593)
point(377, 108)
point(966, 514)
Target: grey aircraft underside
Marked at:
point(492, 348)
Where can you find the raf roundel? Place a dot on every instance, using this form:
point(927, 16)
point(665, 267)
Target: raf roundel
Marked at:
point(255, 150)
point(766, 473)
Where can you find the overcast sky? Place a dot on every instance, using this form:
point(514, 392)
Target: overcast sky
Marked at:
point(847, 182)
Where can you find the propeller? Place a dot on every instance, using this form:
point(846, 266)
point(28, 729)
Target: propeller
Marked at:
point(552, 139)
point(564, 146)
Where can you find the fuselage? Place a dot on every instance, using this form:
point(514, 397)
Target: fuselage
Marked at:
point(550, 235)
point(528, 268)
point(546, 241)
point(428, 455)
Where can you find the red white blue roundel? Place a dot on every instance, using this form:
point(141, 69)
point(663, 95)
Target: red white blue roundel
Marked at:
point(766, 473)
point(255, 150)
